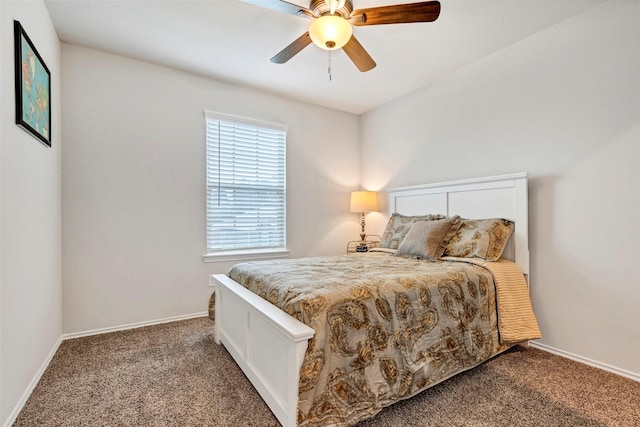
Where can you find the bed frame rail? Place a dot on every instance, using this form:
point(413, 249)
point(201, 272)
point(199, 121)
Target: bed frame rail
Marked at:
point(248, 325)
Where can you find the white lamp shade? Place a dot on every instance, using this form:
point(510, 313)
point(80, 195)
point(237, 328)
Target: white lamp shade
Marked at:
point(330, 32)
point(364, 201)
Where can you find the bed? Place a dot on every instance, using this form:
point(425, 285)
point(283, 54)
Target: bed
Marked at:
point(336, 357)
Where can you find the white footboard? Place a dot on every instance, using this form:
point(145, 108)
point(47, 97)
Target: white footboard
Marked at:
point(267, 343)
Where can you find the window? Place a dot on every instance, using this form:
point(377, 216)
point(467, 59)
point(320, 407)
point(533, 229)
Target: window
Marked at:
point(246, 188)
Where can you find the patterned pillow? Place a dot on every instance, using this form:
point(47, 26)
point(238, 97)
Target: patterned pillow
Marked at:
point(427, 239)
point(398, 227)
point(480, 238)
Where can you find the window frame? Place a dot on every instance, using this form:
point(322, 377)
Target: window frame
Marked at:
point(243, 253)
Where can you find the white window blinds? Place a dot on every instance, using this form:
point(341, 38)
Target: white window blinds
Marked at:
point(246, 184)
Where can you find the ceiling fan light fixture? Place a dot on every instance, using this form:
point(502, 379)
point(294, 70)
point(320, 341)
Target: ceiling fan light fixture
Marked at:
point(330, 32)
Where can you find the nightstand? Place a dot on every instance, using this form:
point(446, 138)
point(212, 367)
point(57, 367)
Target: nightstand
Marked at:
point(357, 246)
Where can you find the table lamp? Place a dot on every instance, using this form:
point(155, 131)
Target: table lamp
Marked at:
point(363, 201)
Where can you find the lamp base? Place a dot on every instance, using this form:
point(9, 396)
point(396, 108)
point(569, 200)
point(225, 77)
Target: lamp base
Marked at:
point(362, 247)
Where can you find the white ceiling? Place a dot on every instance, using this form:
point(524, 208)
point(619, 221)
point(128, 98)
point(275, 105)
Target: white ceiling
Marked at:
point(232, 41)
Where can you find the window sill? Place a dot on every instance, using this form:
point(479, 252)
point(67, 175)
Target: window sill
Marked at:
point(245, 256)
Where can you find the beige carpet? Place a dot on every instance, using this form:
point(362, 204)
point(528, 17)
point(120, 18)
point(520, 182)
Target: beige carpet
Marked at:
point(175, 375)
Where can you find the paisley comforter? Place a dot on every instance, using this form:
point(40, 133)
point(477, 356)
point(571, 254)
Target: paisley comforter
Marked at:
point(386, 327)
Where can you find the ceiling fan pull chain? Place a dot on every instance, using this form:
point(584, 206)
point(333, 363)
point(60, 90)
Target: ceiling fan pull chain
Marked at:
point(329, 66)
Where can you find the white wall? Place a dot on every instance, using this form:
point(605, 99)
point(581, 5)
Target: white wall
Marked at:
point(30, 217)
point(2, 93)
point(134, 176)
point(563, 105)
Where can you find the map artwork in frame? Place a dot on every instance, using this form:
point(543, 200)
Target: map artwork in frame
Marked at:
point(33, 88)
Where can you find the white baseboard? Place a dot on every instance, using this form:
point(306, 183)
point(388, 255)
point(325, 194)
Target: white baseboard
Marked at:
point(586, 361)
point(32, 385)
point(133, 325)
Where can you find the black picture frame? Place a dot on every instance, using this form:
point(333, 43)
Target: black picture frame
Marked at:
point(33, 87)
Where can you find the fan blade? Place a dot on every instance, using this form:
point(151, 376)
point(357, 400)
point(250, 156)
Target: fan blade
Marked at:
point(302, 11)
point(292, 4)
point(290, 51)
point(358, 55)
point(427, 11)
point(280, 6)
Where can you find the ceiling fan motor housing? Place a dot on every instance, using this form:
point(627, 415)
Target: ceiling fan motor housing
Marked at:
point(321, 7)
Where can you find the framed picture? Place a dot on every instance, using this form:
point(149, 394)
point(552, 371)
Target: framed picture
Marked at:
point(33, 88)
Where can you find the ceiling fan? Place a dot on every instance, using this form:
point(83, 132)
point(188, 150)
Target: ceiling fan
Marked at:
point(331, 28)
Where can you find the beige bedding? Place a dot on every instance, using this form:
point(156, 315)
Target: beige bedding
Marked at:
point(516, 320)
point(386, 327)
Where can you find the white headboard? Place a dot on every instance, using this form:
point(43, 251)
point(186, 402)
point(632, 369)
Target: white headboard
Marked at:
point(502, 196)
